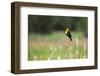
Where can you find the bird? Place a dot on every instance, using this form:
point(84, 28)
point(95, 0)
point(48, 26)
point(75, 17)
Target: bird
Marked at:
point(68, 34)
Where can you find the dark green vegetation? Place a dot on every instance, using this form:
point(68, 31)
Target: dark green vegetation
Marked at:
point(48, 24)
point(47, 39)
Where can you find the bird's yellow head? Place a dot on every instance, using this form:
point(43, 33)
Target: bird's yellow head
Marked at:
point(66, 31)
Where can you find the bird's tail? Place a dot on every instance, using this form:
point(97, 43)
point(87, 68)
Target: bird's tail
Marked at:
point(71, 39)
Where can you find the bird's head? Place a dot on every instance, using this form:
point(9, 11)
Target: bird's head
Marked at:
point(66, 30)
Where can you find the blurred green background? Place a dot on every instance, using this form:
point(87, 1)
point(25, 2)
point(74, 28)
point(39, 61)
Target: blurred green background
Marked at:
point(47, 39)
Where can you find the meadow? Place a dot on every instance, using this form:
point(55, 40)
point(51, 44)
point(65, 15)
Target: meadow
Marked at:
point(56, 46)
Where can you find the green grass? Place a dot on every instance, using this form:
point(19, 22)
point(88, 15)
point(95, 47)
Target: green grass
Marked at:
point(56, 46)
point(52, 37)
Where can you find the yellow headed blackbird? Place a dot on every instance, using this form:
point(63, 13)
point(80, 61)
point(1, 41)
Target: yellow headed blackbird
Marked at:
point(68, 34)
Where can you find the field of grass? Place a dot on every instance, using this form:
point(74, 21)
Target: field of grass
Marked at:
point(57, 46)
